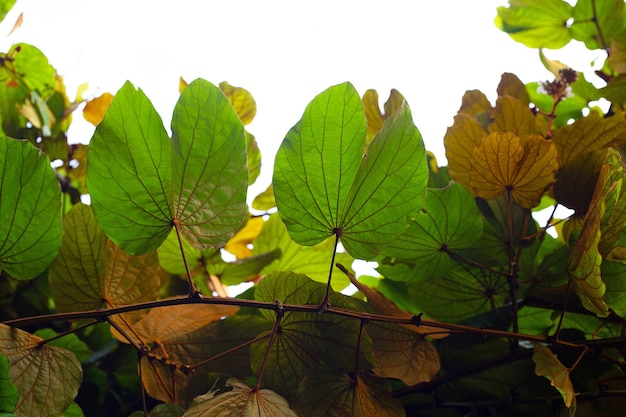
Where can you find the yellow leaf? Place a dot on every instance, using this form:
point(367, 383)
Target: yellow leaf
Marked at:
point(95, 109)
point(375, 118)
point(182, 84)
point(548, 365)
point(460, 141)
point(511, 115)
point(242, 101)
point(512, 86)
point(475, 104)
point(552, 65)
point(503, 162)
point(238, 244)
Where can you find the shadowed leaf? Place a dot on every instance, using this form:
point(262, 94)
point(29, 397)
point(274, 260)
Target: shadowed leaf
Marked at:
point(30, 209)
point(47, 377)
point(8, 391)
point(548, 365)
point(239, 400)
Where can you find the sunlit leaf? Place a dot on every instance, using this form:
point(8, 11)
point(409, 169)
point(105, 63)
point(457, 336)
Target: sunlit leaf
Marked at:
point(91, 272)
point(254, 158)
point(5, 7)
point(512, 115)
point(590, 15)
point(265, 201)
point(242, 101)
point(448, 221)
point(95, 109)
point(586, 135)
point(375, 118)
point(536, 23)
point(476, 105)
point(504, 162)
point(47, 377)
point(170, 256)
point(460, 140)
point(141, 183)
point(326, 183)
point(239, 400)
point(238, 244)
point(8, 391)
point(312, 261)
point(548, 365)
point(30, 209)
point(511, 85)
point(331, 394)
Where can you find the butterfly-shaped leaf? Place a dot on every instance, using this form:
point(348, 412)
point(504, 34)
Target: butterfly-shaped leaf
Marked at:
point(327, 182)
point(142, 183)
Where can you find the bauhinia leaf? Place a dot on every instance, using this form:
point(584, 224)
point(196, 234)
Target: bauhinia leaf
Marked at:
point(460, 140)
point(239, 400)
point(96, 108)
point(331, 394)
point(375, 118)
point(142, 184)
point(238, 244)
point(548, 365)
point(30, 209)
point(327, 183)
point(47, 377)
point(505, 162)
point(8, 391)
point(242, 101)
point(512, 115)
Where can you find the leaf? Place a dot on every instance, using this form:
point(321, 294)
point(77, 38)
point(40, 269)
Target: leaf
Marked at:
point(241, 100)
point(96, 108)
point(265, 201)
point(170, 257)
point(548, 365)
point(476, 105)
point(460, 140)
point(615, 296)
point(587, 135)
point(596, 22)
point(616, 60)
point(47, 377)
point(448, 221)
point(324, 185)
point(239, 400)
point(167, 410)
point(512, 115)
point(92, 273)
point(375, 118)
point(8, 391)
point(5, 7)
point(238, 244)
point(141, 183)
point(312, 261)
point(504, 162)
point(70, 342)
point(536, 23)
point(331, 394)
point(576, 181)
point(511, 85)
point(30, 208)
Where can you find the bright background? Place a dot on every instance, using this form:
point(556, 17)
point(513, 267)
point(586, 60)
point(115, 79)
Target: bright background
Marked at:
point(284, 53)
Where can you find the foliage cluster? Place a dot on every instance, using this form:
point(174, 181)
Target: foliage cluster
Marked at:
point(122, 305)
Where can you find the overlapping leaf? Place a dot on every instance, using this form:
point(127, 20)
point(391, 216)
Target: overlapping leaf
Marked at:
point(590, 15)
point(375, 118)
point(503, 162)
point(30, 209)
point(460, 140)
point(47, 377)
point(96, 108)
point(449, 220)
point(8, 391)
point(239, 400)
point(513, 115)
point(330, 394)
point(536, 23)
point(141, 183)
point(548, 365)
point(92, 273)
point(327, 183)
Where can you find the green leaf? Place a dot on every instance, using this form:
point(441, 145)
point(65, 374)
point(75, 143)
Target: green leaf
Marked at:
point(536, 23)
point(615, 296)
point(331, 394)
point(8, 391)
point(167, 410)
point(30, 208)
point(265, 200)
point(5, 7)
point(548, 365)
point(70, 342)
point(239, 400)
point(142, 184)
point(73, 410)
point(617, 57)
point(375, 118)
point(47, 377)
point(595, 22)
point(327, 183)
point(448, 221)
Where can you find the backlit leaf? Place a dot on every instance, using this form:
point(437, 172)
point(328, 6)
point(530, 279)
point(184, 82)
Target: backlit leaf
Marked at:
point(47, 377)
point(141, 183)
point(92, 273)
point(476, 105)
point(239, 400)
point(5, 7)
point(590, 15)
point(512, 115)
point(326, 182)
point(375, 118)
point(511, 85)
point(448, 221)
point(548, 365)
point(95, 109)
point(617, 57)
point(331, 394)
point(460, 140)
point(8, 391)
point(265, 200)
point(536, 23)
point(242, 101)
point(30, 209)
point(238, 244)
point(586, 135)
point(505, 162)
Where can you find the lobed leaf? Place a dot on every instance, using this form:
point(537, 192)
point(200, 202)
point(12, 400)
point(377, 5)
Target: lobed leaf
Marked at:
point(596, 22)
point(375, 118)
point(30, 209)
point(512, 115)
point(548, 365)
point(47, 377)
point(460, 140)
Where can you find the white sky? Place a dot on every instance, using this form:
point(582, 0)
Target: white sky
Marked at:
point(284, 53)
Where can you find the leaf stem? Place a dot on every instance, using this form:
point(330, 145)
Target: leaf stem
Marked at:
point(227, 352)
point(357, 358)
point(279, 316)
point(193, 291)
point(325, 303)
